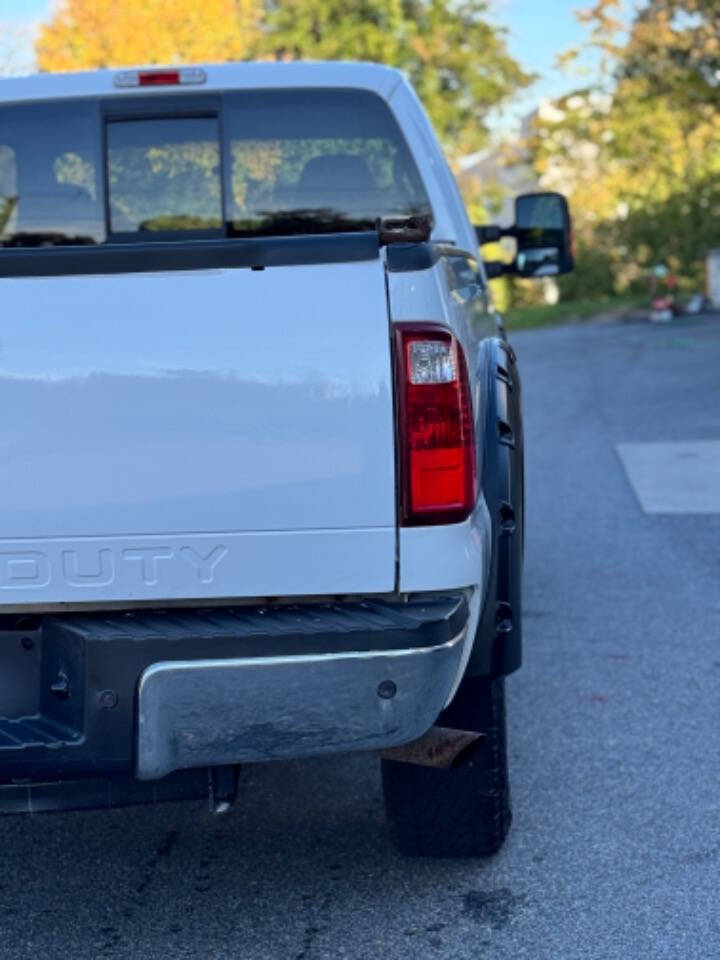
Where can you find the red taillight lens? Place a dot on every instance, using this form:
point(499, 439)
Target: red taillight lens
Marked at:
point(158, 78)
point(435, 427)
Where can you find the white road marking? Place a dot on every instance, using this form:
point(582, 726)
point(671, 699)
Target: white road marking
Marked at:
point(674, 477)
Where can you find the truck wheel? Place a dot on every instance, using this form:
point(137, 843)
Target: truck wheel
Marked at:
point(465, 811)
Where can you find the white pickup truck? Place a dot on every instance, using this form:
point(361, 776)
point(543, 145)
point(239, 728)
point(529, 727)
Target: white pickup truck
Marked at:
point(261, 462)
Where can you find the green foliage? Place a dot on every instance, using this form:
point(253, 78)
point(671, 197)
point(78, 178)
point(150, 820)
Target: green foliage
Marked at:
point(458, 62)
point(460, 67)
point(328, 30)
point(677, 229)
point(675, 49)
point(640, 160)
point(577, 310)
point(593, 276)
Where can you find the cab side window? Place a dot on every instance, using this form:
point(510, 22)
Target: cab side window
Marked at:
point(8, 191)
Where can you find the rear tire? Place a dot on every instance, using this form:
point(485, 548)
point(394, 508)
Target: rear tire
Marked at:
point(463, 812)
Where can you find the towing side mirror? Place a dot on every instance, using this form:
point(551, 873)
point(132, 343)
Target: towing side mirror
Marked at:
point(543, 233)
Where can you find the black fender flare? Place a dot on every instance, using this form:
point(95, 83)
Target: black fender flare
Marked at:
point(497, 649)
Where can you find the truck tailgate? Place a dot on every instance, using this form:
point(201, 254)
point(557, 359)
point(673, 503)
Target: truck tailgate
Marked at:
point(201, 434)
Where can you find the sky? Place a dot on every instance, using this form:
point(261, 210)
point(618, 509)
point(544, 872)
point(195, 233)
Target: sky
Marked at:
point(538, 30)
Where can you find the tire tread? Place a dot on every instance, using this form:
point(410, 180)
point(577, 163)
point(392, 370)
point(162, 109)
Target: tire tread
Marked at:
point(455, 813)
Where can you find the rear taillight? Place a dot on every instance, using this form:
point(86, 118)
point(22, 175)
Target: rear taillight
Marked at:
point(436, 438)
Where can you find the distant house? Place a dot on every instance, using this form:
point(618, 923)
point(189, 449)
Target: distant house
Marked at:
point(506, 168)
point(504, 171)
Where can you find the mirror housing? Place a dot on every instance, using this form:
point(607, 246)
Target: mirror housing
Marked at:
point(543, 234)
point(488, 233)
point(495, 268)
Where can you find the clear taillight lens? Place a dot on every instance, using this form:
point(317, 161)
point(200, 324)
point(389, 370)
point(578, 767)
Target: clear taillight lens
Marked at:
point(436, 437)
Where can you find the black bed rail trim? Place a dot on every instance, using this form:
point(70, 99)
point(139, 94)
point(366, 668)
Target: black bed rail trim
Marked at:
point(409, 257)
point(153, 257)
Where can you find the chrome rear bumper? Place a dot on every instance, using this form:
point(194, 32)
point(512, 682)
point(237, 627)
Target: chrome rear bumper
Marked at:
point(200, 713)
point(112, 696)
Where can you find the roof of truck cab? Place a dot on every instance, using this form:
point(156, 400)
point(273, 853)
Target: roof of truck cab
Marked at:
point(226, 76)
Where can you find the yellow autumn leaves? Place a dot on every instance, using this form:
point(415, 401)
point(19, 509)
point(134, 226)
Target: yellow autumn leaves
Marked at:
point(103, 33)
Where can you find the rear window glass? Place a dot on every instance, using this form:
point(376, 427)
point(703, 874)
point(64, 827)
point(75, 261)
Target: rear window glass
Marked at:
point(50, 189)
point(255, 163)
point(164, 175)
point(317, 162)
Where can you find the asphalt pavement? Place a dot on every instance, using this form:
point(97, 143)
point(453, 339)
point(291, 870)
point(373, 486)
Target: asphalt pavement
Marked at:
point(614, 734)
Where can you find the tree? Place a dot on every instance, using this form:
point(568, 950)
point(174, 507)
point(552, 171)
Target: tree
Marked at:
point(641, 158)
point(85, 34)
point(674, 48)
point(458, 62)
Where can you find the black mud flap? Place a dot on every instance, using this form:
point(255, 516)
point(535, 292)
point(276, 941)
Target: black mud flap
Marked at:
point(498, 645)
